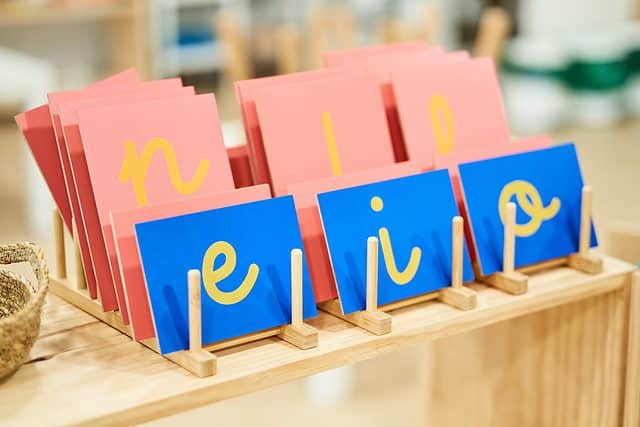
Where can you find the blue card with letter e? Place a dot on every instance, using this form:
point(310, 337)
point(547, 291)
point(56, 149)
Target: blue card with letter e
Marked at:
point(244, 255)
point(546, 187)
point(412, 218)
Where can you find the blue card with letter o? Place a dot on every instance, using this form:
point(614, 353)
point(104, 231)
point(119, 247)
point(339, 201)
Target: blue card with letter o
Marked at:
point(244, 255)
point(546, 186)
point(412, 218)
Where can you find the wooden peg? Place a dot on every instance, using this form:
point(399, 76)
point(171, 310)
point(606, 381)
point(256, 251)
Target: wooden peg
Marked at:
point(508, 279)
point(457, 295)
point(196, 360)
point(288, 51)
point(371, 318)
point(584, 260)
point(81, 281)
point(58, 241)
point(195, 314)
point(429, 28)
point(296, 288)
point(298, 333)
point(509, 244)
point(493, 30)
point(372, 274)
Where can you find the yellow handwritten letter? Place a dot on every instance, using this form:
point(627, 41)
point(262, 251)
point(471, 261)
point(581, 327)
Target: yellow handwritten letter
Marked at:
point(530, 202)
point(134, 168)
point(399, 277)
point(211, 276)
point(443, 132)
point(330, 139)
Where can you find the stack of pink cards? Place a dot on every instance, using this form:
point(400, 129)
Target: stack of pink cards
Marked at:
point(122, 145)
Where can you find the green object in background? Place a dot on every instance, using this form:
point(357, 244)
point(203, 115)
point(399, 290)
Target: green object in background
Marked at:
point(597, 76)
point(633, 62)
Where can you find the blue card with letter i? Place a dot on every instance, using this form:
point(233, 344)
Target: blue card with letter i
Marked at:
point(244, 254)
point(546, 187)
point(412, 218)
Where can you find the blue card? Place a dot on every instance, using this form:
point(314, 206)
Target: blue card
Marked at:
point(412, 218)
point(244, 254)
point(546, 186)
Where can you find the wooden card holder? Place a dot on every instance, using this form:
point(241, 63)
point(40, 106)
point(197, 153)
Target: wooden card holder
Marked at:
point(516, 282)
point(199, 359)
point(377, 320)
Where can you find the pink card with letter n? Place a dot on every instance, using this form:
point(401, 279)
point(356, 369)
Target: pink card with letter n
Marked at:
point(130, 269)
point(88, 221)
point(323, 128)
point(449, 107)
point(152, 152)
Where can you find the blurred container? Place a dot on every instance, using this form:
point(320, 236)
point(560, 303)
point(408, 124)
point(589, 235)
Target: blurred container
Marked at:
point(532, 80)
point(597, 77)
point(632, 92)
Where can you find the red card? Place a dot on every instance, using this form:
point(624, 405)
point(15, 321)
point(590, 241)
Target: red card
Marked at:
point(130, 268)
point(239, 162)
point(456, 108)
point(323, 128)
point(38, 131)
point(315, 248)
point(152, 152)
point(81, 182)
point(245, 94)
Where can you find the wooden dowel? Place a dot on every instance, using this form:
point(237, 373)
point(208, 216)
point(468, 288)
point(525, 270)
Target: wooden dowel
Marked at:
point(493, 30)
point(296, 288)
point(508, 255)
point(195, 317)
point(585, 220)
point(58, 241)
point(456, 252)
point(372, 274)
point(81, 281)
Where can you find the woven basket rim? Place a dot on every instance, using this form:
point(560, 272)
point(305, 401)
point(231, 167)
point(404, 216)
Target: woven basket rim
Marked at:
point(39, 265)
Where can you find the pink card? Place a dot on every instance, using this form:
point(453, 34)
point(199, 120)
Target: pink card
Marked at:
point(55, 102)
point(341, 57)
point(152, 152)
point(323, 128)
point(382, 65)
point(80, 174)
point(456, 108)
point(315, 248)
point(245, 94)
point(124, 235)
point(37, 129)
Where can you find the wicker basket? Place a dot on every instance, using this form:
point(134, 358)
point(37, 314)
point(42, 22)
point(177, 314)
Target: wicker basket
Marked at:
point(20, 304)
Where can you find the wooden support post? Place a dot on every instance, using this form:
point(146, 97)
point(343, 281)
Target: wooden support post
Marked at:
point(493, 30)
point(298, 333)
point(373, 320)
point(58, 242)
point(81, 281)
point(457, 295)
point(196, 360)
point(508, 280)
point(372, 275)
point(584, 260)
point(195, 311)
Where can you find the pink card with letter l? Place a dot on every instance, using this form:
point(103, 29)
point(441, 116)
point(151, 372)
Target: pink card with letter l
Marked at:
point(152, 152)
point(323, 128)
point(450, 106)
point(130, 269)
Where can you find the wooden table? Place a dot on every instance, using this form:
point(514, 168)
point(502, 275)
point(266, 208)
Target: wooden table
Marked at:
point(78, 359)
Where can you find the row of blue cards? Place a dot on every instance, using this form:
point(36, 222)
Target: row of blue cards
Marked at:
point(244, 250)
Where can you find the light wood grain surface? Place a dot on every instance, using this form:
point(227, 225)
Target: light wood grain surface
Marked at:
point(77, 356)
